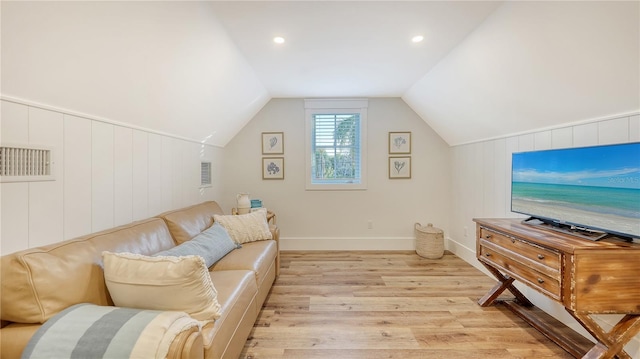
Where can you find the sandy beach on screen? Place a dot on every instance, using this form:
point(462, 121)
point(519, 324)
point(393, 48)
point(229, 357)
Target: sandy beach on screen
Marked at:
point(612, 222)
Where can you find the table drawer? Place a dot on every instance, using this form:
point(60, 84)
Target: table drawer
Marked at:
point(542, 282)
point(547, 257)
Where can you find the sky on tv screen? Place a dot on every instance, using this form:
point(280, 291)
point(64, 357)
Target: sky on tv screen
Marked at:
point(615, 166)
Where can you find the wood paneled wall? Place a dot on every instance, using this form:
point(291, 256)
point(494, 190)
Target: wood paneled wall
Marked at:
point(106, 175)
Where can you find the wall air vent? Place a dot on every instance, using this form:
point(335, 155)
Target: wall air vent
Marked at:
point(205, 174)
point(26, 163)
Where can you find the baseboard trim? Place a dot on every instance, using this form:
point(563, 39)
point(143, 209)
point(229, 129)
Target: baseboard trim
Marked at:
point(466, 254)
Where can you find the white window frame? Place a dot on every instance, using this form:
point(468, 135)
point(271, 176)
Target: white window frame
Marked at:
point(335, 106)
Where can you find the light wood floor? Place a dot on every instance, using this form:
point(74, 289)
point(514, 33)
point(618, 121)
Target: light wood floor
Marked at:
point(344, 305)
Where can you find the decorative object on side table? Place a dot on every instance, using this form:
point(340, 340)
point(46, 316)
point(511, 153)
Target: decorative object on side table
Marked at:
point(273, 143)
point(272, 168)
point(399, 143)
point(243, 202)
point(399, 167)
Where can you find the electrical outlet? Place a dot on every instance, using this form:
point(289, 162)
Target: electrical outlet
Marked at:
point(370, 224)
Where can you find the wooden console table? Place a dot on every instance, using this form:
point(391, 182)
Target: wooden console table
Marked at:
point(586, 277)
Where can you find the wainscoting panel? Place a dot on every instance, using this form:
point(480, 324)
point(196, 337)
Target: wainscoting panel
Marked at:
point(166, 150)
point(77, 176)
point(562, 137)
point(543, 140)
point(155, 174)
point(15, 123)
point(634, 128)
point(123, 175)
point(107, 174)
point(15, 222)
point(46, 226)
point(585, 135)
point(140, 175)
point(613, 131)
point(102, 169)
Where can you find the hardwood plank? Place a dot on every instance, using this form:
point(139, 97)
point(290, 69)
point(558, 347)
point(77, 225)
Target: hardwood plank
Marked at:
point(381, 319)
point(326, 337)
point(372, 304)
point(479, 338)
point(571, 341)
point(387, 304)
point(389, 354)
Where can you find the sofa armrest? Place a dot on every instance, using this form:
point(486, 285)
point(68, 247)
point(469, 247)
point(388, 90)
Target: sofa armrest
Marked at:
point(187, 345)
point(14, 338)
point(275, 233)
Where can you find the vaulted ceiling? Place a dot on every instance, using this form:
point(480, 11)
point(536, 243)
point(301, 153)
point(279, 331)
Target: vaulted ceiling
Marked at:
point(202, 70)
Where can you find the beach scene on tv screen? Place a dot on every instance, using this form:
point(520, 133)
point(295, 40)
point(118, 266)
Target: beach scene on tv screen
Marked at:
point(597, 187)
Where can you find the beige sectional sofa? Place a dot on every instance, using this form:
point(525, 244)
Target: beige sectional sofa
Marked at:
point(40, 282)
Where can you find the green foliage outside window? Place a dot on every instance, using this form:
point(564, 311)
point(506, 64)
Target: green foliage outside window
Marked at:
point(336, 147)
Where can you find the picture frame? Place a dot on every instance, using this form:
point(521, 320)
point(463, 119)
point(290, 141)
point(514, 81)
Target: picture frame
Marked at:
point(399, 143)
point(399, 167)
point(272, 168)
point(272, 143)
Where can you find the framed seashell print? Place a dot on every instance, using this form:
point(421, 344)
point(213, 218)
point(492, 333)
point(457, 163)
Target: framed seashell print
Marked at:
point(273, 143)
point(272, 168)
point(399, 143)
point(399, 167)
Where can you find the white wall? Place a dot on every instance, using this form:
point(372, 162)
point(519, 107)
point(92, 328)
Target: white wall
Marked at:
point(338, 219)
point(535, 64)
point(163, 65)
point(106, 175)
point(482, 187)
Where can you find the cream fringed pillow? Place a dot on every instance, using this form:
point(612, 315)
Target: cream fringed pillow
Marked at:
point(161, 283)
point(245, 228)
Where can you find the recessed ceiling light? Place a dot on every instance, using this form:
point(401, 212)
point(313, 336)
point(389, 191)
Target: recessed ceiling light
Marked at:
point(278, 40)
point(417, 38)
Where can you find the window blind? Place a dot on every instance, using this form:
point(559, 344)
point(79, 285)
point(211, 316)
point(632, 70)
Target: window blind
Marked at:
point(336, 148)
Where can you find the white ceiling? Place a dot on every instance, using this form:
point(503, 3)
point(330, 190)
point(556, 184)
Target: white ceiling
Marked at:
point(202, 70)
point(347, 49)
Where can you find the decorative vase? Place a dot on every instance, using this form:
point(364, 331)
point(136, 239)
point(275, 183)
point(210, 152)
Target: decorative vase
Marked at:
point(244, 203)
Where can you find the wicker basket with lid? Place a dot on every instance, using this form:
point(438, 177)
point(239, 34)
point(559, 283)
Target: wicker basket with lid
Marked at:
point(429, 241)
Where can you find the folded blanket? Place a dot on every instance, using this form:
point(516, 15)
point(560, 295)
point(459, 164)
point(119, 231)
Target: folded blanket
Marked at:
point(87, 331)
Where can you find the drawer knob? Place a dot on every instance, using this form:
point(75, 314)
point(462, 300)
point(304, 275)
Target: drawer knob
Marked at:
point(488, 254)
point(487, 236)
point(540, 256)
point(540, 280)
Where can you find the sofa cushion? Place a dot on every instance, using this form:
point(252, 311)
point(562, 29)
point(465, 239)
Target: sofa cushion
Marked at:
point(186, 223)
point(212, 244)
point(246, 228)
point(38, 283)
point(255, 256)
point(161, 283)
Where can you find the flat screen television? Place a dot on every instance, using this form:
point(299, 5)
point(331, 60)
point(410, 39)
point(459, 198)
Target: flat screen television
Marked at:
point(588, 191)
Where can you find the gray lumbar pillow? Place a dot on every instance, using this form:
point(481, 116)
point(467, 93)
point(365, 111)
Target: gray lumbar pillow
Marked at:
point(212, 244)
